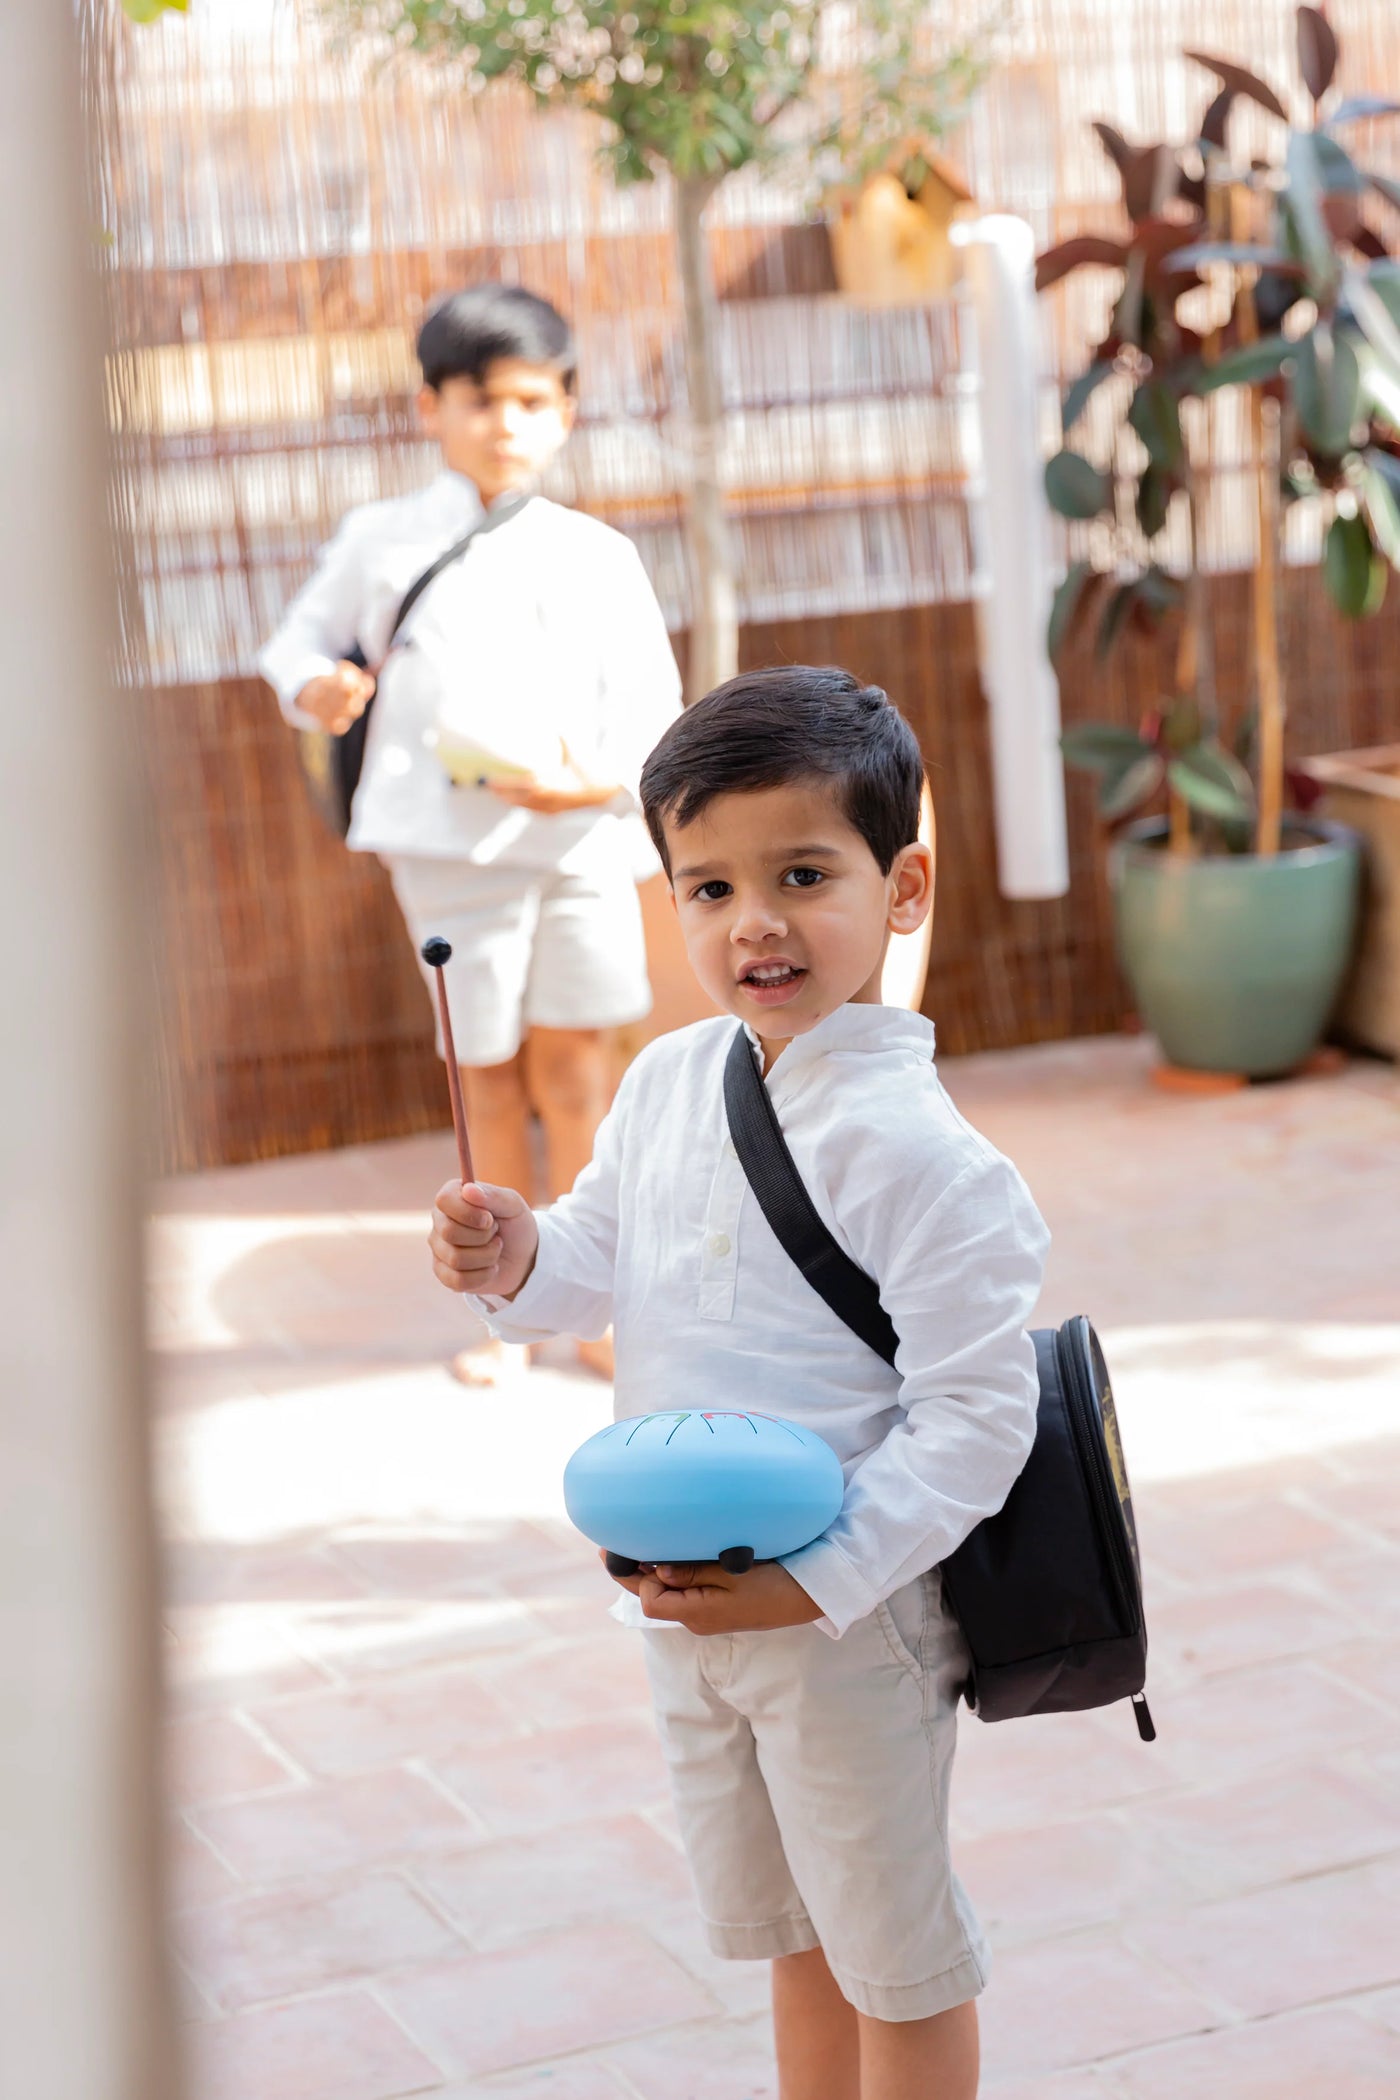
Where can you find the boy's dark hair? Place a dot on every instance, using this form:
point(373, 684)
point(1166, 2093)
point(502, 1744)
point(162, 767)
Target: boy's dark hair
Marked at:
point(766, 728)
point(467, 333)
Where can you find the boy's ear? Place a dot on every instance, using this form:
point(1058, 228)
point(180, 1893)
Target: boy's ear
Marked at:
point(911, 888)
point(429, 404)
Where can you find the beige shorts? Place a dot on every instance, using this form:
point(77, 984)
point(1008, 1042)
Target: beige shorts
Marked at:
point(810, 1779)
point(531, 948)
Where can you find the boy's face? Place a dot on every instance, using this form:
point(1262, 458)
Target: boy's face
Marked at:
point(783, 908)
point(501, 431)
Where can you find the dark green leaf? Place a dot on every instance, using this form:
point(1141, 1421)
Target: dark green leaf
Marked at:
point(1076, 488)
point(1327, 389)
point(1076, 400)
point(1363, 106)
point(1304, 199)
point(1369, 296)
point(1216, 121)
point(1347, 565)
point(1385, 464)
point(1241, 81)
point(1211, 781)
point(1115, 613)
point(1101, 747)
point(1387, 187)
point(1203, 255)
point(1337, 171)
point(1154, 497)
point(1245, 365)
point(1156, 417)
point(1317, 51)
point(1069, 599)
point(1126, 786)
point(1157, 591)
point(1382, 508)
point(1181, 725)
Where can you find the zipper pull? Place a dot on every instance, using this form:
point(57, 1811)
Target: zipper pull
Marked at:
point(1142, 1715)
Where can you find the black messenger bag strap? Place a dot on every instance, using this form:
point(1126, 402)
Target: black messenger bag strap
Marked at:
point(506, 509)
point(782, 1197)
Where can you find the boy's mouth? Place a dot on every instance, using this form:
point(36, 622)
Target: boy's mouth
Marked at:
point(774, 982)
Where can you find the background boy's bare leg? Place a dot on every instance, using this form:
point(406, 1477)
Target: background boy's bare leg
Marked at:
point(934, 2059)
point(498, 1117)
point(815, 2030)
point(570, 1086)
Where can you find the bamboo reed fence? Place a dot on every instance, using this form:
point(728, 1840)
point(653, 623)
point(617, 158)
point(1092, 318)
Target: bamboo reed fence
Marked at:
point(277, 212)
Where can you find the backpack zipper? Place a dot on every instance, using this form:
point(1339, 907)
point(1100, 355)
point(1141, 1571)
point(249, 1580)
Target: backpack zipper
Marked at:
point(1107, 1506)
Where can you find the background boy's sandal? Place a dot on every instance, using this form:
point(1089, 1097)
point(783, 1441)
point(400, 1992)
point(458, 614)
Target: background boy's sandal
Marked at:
point(1048, 1592)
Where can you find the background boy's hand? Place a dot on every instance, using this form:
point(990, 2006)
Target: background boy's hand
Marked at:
point(707, 1599)
point(551, 798)
point(337, 698)
point(482, 1238)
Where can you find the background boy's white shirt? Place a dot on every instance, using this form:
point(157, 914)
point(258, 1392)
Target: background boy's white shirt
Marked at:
point(662, 1237)
point(549, 622)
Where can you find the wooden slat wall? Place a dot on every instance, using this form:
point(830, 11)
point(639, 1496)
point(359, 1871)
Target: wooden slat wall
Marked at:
point(278, 214)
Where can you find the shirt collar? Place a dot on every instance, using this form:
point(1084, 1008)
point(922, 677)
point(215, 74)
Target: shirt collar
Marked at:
point(854, 1028)
point(460, 494)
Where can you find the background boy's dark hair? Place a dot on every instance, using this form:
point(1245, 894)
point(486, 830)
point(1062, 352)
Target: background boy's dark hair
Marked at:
point(466, 334)
point(765, 728)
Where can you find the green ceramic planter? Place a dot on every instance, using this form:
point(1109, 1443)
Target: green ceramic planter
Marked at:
point(1236, 962)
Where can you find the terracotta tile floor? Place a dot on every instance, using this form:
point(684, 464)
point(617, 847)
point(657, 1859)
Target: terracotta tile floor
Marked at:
point(422, 1842)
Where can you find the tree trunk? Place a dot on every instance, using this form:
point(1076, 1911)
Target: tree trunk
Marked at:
point(714, 596)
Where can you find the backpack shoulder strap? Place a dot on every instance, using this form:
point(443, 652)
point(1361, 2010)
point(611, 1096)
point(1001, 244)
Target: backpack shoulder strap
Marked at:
point(501, 515)
point(782, 1197)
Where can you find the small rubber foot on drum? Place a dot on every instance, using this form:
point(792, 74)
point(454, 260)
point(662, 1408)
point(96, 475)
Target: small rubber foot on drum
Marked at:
point(737, 1560)
point(618, 1564)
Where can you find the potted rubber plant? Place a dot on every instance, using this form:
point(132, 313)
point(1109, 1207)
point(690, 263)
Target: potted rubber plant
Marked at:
point(1235, 916)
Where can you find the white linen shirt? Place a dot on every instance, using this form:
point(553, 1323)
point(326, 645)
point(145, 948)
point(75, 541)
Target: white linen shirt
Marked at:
point(662, 1236)
point(548, 621)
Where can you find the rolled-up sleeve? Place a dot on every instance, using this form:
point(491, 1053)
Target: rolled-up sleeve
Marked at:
point(571, 1287)
point(318, 629)
point(960, 1284)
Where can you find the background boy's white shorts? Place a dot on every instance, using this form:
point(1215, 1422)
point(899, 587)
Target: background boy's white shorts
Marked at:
point(531, 948)
point(810, 1778)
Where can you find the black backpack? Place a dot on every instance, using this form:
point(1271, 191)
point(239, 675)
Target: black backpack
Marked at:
point(1048, 1592)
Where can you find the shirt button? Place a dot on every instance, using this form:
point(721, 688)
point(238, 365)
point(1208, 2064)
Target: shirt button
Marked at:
point(719, 1245)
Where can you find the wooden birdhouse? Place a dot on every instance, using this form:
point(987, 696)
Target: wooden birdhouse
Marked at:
point(891, 238)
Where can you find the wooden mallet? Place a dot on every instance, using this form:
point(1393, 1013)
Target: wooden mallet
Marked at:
point(435, 952)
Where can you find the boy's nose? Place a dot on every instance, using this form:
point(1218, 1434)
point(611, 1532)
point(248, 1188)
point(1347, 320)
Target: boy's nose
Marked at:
point(754, 922)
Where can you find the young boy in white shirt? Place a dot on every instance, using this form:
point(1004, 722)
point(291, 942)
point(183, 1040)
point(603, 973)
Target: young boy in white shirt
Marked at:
point(510, 723)
point(807, 1707)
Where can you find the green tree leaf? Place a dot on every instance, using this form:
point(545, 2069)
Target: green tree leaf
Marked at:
point(1307, 185)
point(1317, 51)
point(1084, 387)
point(1349, 563)
point(1075, 487)
point(1211, 781)
point(1126, 786)
point(1327, 389)
point(1069, 600)
point(1154, 495)
point(1378, 490)
point(1156, 417)
point(1103, 747)
point(1246, 365)
point(1357, 106)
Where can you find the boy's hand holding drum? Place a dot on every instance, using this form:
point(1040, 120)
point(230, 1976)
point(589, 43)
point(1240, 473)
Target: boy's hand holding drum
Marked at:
point(483, 1238)
point(708, 1599)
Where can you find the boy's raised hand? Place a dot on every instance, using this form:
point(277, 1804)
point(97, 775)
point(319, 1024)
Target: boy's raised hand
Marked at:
point(708, 1599)
point(483, 1238)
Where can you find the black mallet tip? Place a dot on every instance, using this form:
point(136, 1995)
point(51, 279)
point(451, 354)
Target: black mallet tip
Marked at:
point(436, 951)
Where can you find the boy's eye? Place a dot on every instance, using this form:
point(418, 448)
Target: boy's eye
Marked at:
point(805, 878)
point(711, 892)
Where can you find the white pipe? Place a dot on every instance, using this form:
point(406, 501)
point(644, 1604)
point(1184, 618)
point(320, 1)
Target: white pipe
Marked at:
point(84, 2008)
point(1011, 550)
